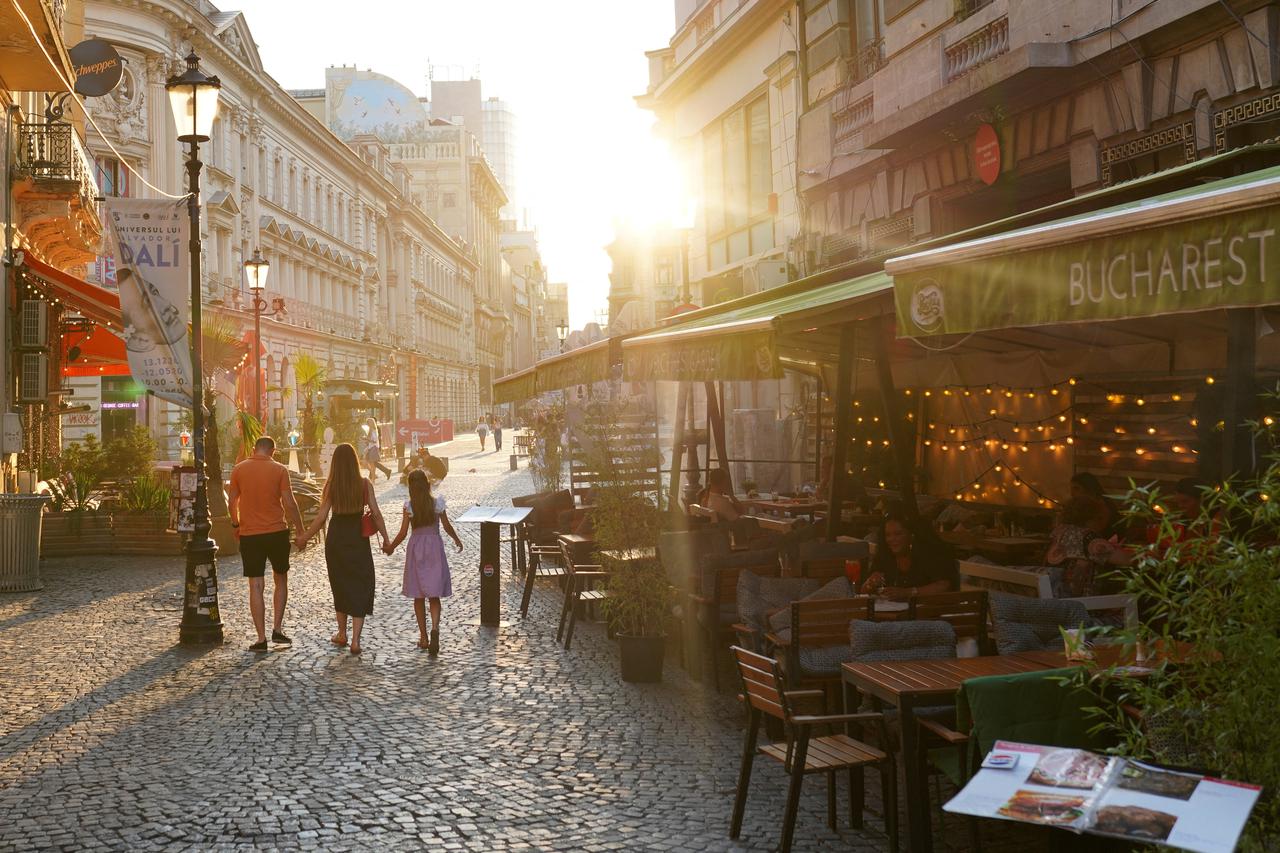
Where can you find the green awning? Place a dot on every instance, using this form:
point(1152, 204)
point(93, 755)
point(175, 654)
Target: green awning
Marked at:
point(1211, 246)
point(581, 366)
point(515, 387)
point(745, 339)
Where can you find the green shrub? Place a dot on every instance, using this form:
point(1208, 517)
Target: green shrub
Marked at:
point(145, 495)
point(1219, 592)
point(130, 456)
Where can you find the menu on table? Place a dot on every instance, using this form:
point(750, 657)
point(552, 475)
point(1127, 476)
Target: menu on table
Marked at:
point(1106, 795)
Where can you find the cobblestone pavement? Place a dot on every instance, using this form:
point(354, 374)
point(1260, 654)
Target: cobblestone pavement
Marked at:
point(113, 737)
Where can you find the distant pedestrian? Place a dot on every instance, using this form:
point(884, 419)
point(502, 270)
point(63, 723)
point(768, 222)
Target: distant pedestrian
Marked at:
point(497, 434)
point(373, 451)
point(482, 430)
point(426, 567)
point(257, 501)
point(346, 546)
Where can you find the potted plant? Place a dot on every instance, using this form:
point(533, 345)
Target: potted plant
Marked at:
point(73, 524)
point(141, 521)
point(639, 602)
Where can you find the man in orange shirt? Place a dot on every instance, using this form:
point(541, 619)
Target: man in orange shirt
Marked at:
point(259, 496)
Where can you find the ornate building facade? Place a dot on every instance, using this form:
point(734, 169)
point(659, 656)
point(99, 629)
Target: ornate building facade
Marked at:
point(370, 285)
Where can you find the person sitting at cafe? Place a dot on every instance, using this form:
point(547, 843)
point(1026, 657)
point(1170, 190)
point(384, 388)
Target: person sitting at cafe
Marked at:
point(1079, 546)
point(1085, 485)
point(718, 496)
point(909, 562)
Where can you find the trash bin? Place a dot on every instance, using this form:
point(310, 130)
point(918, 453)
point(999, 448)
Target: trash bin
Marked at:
point(20, 542)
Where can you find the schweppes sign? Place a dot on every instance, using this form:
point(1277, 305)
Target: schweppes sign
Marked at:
point(98, 67)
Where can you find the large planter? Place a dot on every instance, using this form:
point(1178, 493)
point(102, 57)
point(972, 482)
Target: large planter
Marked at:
point(145, 534)
point(641, 658)
point(75, 534)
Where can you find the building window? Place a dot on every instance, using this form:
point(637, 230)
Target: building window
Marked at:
point(739, 181)
point(113, 177)
point(449, 199)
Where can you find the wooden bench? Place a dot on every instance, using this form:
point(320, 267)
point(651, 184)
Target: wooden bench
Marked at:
point(522, 444)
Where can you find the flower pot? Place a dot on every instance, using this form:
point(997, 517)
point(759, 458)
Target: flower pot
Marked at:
point(641, 658)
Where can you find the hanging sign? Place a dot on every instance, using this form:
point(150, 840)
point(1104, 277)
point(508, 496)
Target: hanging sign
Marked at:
point(986, 154)
point(148, 240)
point(98, 67)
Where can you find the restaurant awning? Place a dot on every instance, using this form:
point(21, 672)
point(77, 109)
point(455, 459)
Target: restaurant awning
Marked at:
point(582, 366)
point(758, 336)
point(99, 353)
point(516, 387)
point(94, 302)
point(1207, 247)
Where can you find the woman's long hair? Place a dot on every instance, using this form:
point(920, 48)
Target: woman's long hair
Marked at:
point(346, 485)
point(421, 501)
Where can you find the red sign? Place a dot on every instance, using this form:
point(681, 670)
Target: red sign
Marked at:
point(986, 154)
point(424, 431)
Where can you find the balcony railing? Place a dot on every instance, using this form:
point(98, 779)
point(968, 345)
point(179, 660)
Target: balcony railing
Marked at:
point(866, 61)
point(52, 154)
point(977, 49)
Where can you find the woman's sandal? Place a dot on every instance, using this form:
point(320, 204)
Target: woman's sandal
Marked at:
point(339, 643)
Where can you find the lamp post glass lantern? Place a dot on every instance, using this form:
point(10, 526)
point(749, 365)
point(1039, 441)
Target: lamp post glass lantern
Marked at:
point(255, 272)
point(562, 332)
point(193, 96)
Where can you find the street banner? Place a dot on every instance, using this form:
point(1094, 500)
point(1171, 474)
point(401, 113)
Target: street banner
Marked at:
point(148, 241)
point(420, 432)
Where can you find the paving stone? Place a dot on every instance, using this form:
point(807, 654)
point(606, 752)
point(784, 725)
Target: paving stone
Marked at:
point(115, 737)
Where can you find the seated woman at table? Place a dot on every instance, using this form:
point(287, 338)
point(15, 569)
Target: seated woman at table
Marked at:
point(1085, 485)
point(1079, 546)
point(718, 496)
point(909, 563)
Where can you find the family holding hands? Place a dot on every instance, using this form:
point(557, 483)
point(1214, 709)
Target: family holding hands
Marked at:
point(260, 494)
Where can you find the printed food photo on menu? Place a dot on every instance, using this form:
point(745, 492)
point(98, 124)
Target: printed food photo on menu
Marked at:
point(1134, 822)
point(1164, 783)
point(1053, 809)
point(1069, 768)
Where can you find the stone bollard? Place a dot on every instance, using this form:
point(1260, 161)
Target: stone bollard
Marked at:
point(514, 466)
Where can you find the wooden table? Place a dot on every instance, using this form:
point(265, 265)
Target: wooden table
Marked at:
point(773, 524)
point(908, 685)
point(576, 546)
point(1008, 548)
point(792, 508)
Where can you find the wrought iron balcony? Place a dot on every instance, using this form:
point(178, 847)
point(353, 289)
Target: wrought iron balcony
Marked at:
point(54, 160)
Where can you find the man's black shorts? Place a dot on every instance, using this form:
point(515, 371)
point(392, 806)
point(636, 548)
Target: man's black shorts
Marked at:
point(257, 549)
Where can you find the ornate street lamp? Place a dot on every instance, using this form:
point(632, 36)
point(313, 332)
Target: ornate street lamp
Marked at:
point(193, 95)
point(255, 272)
point(562, 332)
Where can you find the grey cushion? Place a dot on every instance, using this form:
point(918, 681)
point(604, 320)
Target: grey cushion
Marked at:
point(824, 661)
point(834, 588)
point(872, 642)
point(759, 596)
point(1033, 624)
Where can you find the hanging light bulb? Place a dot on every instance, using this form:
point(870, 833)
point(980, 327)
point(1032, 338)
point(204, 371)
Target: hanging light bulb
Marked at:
point(998, 469)
point(1024, 448)
point(1082, 420)
point(946, 392)
point(1071, 381)
point(1139, 451)
point(1268, 420)
point(1004, 446)
point(1054, 392)
point(1070, 440)
point(988, 389)
point(1208, 380)
point(1140, 401)
point(1178, 448)
point(1177, 398)
point(1105, 449)
point(1151, 430)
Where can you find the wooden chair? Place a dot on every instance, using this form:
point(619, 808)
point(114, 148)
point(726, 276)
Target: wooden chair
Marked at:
point(822, 568)
point(805, 752)
point(966, 611)
point(545, 561)
point(820, 624)
point(579, 590)
point(708, 604)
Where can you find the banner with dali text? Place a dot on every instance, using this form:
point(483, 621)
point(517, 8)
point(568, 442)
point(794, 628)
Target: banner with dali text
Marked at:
point(148, 240)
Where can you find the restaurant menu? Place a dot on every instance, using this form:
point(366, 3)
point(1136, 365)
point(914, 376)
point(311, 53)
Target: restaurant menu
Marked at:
point(1104, 795)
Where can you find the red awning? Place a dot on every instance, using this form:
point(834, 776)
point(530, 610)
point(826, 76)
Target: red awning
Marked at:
point(99, 354)
point(96, 303)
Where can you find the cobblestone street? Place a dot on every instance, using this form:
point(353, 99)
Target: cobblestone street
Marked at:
point(115, 737)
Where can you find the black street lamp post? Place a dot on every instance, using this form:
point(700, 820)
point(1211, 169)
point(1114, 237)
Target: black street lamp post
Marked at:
point(193, 95)
point(255, 270)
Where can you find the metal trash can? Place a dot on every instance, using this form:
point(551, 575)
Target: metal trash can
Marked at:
point(20, 517)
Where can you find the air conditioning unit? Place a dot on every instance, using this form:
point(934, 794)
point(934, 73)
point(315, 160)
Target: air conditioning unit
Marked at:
point(33, 377)
point(33, 324)
point(764, 275)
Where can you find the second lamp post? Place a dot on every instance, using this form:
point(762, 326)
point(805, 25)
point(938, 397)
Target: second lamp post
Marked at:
point(255, 273)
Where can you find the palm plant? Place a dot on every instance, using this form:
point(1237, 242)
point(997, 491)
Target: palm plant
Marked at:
point(311, 376)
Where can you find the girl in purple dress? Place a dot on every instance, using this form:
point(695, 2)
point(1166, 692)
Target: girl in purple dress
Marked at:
point(426, 568)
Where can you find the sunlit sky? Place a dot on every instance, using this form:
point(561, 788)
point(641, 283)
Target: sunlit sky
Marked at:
point(569, 69)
